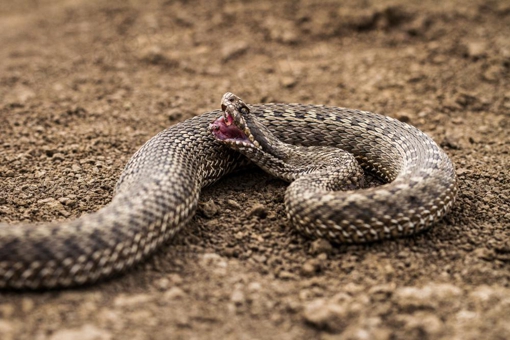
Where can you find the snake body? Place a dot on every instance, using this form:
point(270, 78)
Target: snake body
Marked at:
point(158, 191)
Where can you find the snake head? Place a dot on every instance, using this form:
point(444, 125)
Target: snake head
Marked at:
point(240, 129)
point(232, 127)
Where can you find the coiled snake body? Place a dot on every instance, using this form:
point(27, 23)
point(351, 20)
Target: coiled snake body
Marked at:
point(158, 191)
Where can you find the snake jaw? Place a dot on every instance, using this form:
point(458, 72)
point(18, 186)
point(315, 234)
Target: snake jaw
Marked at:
point(231, 128)
point(225, 131)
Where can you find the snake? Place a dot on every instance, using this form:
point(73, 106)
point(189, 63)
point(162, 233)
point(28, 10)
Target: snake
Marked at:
point(323, 150)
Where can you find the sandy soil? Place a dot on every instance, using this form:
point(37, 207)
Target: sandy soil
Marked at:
point(83, 84)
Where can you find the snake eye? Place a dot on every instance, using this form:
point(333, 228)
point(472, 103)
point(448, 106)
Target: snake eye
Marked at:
point(244, 110)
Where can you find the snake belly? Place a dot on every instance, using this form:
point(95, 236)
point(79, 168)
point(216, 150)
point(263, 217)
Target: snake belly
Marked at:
point(158, 191)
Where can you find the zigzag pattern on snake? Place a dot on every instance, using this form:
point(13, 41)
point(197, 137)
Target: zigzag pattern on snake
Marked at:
point(158, 191)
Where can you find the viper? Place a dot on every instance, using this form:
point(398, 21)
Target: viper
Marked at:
point(322, 150)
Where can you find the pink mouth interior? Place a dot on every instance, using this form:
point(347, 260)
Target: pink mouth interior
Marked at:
point(226, 131)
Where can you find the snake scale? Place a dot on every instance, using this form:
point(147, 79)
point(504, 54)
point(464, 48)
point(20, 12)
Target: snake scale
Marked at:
point(158, 191)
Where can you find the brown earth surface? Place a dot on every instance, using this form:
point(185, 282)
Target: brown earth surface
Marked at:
point(83, 84)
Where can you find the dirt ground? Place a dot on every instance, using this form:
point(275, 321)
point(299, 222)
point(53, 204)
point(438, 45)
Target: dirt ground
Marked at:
point(83, 84)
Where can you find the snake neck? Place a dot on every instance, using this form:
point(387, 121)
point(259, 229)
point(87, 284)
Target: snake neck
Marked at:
point(242, 131)
point(285, 161)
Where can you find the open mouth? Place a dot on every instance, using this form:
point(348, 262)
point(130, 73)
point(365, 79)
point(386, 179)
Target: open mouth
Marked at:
point(227, 131)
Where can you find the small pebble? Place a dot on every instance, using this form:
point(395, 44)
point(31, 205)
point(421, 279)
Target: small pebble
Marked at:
point(85, 332)
point(325, 315)
point(320, 246)
point(288, 81)
point(237, 297)
point(163, 283)
point(7, 330)
point(308, 269)
point(426, 324)
point(233, 49)
point(174, 293)
point(234, 204)
point(476, 49)
point(132, 300)
point(209, 208)
point(258, 210)
point(58, 157)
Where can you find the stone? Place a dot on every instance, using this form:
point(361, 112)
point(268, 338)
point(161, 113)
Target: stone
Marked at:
point(132, 300)
point(209, 208)
point(234, 204)
point(58, 157)
point(258, 210)
point(233, 50)
point(85, 332)
point(237, 297)
point(476, 49)
point(321, 246)
point(6, 330)
point(174, 293)
point(426, 324)
point(325, 315)
point(427, 297)
point(309, 268)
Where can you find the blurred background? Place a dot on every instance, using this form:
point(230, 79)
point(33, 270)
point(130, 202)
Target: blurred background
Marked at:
point(83, 84)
